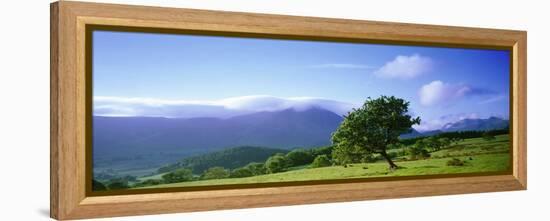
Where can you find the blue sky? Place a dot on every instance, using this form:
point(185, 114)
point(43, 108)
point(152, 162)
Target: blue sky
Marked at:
point(188, 76)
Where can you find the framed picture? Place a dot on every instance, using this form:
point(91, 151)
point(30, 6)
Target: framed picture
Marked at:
point(161, 110)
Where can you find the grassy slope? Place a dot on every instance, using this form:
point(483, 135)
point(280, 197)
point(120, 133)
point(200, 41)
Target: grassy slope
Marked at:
point(153, 177)
point(486, 156)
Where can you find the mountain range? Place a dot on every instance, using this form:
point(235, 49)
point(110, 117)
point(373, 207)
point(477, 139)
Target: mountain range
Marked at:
point(490, 123)
point(286, 129)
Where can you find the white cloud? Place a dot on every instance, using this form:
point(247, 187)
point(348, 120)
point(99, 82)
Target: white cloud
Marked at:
point(441, 122)
point(437, 92)
point(493, 99)
point(224, 108)
point(405, 67)
point(342, 66)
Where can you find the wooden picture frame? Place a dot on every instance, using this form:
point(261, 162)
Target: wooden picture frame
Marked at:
point(69, 84)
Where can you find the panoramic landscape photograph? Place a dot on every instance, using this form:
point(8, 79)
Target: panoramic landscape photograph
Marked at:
point(177, 110)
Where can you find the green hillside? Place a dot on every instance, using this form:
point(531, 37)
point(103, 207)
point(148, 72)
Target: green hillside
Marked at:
point(484, 163)
point(229, 158)
point(476, 154)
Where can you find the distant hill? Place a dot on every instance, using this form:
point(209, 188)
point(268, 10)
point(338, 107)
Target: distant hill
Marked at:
point(141, 136)
point(228, 158)
point(491, 123)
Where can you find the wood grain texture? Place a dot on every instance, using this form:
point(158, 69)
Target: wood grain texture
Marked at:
point(68, 107)
point(54, 116)
point(519, 113)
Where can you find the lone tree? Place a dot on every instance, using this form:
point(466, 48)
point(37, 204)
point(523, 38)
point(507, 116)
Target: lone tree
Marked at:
point(372, 128)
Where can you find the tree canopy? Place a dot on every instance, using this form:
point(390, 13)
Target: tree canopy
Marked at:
point(241, 172)
point(215, 173)
point(371, 128)
point(179, 175)
point(256, 168)
point(276, 163)
point(230, 158)
point(321, 161)
point(299, 157)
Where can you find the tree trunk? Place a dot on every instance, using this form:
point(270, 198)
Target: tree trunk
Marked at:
point(390, 162)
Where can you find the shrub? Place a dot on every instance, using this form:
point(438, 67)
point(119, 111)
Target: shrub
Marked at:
point(241, 172)
point(425, 154)
point(215, 173)
point(299, 157)
point(455, 162)
point(321, 161)
point(179, 175)
point(416, 154)
point(433, 143)
point(419, 150)
point(276, 164)
point(256, 168)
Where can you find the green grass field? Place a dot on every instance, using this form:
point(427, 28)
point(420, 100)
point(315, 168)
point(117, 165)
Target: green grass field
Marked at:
point(479, 156)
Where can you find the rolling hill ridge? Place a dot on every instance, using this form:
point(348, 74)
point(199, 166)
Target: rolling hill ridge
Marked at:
point(114, 136)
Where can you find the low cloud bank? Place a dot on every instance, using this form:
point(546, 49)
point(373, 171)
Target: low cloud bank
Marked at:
point(224, 108)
